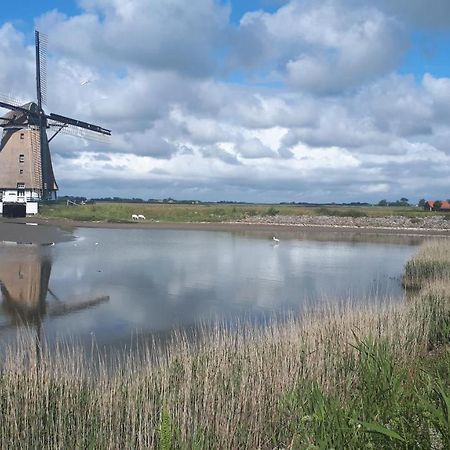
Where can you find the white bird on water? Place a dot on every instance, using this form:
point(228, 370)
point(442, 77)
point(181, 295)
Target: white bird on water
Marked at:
point(275, 239)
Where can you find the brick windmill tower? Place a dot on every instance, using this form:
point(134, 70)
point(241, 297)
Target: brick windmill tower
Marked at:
point(26, 171)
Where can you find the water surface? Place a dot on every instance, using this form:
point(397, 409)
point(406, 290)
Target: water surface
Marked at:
point(111, 284)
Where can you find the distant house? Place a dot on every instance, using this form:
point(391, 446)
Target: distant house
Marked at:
point(429, 205)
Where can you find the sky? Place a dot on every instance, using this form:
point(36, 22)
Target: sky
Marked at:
point(258, 100)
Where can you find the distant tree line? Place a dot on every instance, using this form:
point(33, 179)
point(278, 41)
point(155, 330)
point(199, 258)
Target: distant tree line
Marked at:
point(402, 202)
point(80, 199)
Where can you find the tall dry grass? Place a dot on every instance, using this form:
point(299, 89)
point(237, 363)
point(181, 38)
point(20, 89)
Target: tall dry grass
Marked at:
point(430, 264)
point(342, 377)
point(226, 390)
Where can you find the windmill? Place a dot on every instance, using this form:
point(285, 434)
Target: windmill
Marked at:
point(26, 171)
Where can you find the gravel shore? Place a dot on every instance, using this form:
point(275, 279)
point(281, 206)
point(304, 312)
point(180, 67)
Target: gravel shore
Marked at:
point(390, 222)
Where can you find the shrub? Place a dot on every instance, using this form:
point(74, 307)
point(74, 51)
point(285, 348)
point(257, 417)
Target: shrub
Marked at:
point(272, 211)
point(437, 205)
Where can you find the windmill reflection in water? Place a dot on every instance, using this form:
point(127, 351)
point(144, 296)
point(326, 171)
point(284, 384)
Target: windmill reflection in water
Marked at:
point(27, 298)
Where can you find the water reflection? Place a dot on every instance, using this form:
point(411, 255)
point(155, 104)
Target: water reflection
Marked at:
point(164, 279)
point(26, 296)
point(24, 284)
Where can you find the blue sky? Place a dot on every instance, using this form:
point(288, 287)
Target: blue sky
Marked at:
point(429, 50)
point(27, 11)
point(22, 14)
point(258, 100)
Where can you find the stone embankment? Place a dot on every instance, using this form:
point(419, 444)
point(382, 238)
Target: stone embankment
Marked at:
point(394, 222)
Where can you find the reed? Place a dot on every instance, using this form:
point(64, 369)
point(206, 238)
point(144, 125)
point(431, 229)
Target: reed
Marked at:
point(430, 264)
point(340, 377)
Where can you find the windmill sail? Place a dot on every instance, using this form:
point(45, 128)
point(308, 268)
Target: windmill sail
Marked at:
point(26, 170)
point(74, 127)
point(49, 186)
point(15, 120)
point(10, 100)
point(41, 43)
point(78, 132)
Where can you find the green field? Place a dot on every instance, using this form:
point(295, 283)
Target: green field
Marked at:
point(373, 377)
point(121, 212)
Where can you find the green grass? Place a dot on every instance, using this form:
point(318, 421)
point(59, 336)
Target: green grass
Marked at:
point(341, 377)
point(121, 212)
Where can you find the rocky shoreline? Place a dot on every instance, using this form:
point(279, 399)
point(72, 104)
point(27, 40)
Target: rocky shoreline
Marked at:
point(390, 222)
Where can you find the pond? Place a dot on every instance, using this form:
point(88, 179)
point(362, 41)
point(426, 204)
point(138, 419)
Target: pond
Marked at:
point(110, 284)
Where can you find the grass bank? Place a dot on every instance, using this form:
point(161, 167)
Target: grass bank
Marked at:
point(121, 212)
point(341, 377)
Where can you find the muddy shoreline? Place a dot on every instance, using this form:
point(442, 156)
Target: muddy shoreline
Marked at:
point(46, 231)
point(29, 232)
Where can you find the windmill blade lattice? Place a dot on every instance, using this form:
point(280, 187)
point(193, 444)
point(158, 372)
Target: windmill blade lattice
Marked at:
point(10, 103)
point(5, 98)
point(42, 45)
point(72, 130)
point(8, 98)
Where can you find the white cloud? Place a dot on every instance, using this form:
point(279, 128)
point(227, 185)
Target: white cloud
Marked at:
point(161, 34)
point(185, 127)
point(254, 148)
point(325, 46)
point(17, 74)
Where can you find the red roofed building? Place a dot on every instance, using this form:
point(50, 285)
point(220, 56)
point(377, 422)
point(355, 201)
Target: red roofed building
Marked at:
point(429, 205)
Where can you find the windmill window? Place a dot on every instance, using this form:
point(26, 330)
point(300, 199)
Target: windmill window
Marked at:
point(21, 158)
point(21, 171)
point(21, 193)
point(20, 185)
point(22, 135)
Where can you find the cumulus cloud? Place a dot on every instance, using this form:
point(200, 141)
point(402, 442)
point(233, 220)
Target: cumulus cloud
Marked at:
point(323, 47)
point(302, 103)
point(17, 74)
point(254, 148)
point(439, 91)
point(160, 34)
